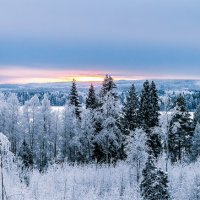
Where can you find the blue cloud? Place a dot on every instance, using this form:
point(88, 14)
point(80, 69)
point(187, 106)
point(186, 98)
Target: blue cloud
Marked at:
point(153, 21)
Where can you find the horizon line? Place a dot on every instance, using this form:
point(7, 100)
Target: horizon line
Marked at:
point(118, 80)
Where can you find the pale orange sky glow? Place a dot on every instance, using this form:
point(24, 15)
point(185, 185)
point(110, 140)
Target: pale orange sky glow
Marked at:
point(25, 75)
point(22, 75)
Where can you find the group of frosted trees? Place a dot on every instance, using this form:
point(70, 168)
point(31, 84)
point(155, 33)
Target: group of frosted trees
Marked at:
point(103, 131)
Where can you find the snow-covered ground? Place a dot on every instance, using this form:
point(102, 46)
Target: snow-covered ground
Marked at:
point(76, 183)
point(93, 182)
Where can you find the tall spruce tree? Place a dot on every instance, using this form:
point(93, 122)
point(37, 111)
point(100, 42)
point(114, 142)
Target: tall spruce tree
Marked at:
point(91, 100)
point(154, 185)
point(129, 120)
point(180, 132)
point(149, 117)
point(145, 107)
point(108, 136)
point(74, 99)
point(154, 120)
point(149, 108)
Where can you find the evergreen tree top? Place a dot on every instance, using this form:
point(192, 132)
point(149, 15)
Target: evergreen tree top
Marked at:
point(108, 85)
point(132, 92)
point(146, 85)
point(145, 95)
point(145, 106)
point(154, 105)
point(153, 85)
point(74, 98)
point(153, 90)
point(132, 99)
point(91, 100)
point(129, 120)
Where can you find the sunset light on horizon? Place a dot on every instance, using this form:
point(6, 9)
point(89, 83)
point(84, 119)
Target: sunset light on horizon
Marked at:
point(23, 75)
point(17, 75)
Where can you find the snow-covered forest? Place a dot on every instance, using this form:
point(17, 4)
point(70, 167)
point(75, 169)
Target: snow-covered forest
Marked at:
point(100, 150)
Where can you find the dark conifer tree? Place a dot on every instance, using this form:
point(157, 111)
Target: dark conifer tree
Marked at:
point(74, 98)
point(180, 132)
point(129, 120)
point(155, 182)
point(145, 107)
point(149, 113)
point(154, 144)
point(25, 155)
point(154, 106)
point(91, 100)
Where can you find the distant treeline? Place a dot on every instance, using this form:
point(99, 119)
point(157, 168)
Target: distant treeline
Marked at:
point(60, 98)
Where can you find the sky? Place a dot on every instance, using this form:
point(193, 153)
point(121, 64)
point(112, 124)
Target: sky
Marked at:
point(53, 41)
